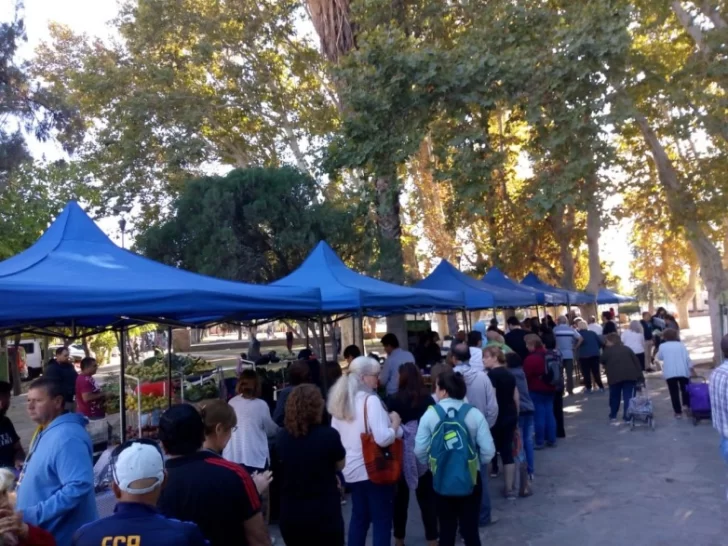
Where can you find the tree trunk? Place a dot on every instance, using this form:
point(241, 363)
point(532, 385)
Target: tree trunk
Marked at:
point(391, 256)
point(686, 20)
point(86, 348)
point(593, 229)
point(684, 210)
point(683, 313)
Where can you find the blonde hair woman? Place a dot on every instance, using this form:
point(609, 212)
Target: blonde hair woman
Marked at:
point(372, 504)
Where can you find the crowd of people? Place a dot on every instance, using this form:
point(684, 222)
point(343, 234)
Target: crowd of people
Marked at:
point(439, 427)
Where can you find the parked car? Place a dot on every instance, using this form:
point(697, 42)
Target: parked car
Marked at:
point(33, 357)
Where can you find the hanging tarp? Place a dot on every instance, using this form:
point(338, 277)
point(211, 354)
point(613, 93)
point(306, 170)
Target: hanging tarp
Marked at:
point(75, 275)
point(496, 277)
point(478, 294)
point(606, 296)
point(345, 290)
point(572, 297)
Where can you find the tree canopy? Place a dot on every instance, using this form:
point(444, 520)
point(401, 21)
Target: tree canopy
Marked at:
point(253, 225)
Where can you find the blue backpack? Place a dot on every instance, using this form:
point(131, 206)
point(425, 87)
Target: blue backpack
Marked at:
point(453, 458)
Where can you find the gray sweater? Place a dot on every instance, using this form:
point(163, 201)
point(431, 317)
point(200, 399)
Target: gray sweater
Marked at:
point(481, 393)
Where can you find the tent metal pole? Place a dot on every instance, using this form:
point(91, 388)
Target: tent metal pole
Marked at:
point(308, 340)
point(324, 379)
point(122, 383)
point(361, 332)
point(169, 366)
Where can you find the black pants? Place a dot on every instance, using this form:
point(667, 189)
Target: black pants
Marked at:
point(559, 414)
point(590, 368)
point(425, 498)
point(677, 385)
point(462, 513)
point(307, 535)
point(641, 358)
point(569, 370)
point(503, 434)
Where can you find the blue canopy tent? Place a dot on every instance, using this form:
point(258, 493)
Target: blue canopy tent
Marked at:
point(572, 297)
point(75, 276)
point(496, 277)
point(344, 290)
point(605, 296)
point(478, 294)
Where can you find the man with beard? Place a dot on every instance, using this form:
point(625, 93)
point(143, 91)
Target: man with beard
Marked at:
point(12, 454)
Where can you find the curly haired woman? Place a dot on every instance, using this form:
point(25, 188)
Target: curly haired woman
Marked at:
point(311, 454)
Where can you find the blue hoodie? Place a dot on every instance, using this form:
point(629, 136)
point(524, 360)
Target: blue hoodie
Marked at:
point(57, 488)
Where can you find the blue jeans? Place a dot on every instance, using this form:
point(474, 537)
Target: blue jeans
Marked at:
point(525, 425)
point(724, 448)
point(543, 417)
point(485, 498)
point(371, 504)
point(617, 392)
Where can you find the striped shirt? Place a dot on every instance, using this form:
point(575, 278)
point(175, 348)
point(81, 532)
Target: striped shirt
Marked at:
point(719, 398)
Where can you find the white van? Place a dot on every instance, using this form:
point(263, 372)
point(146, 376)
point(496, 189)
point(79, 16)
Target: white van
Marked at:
point(33, 356)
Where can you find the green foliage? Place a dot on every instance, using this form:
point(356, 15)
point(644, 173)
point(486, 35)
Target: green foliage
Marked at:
point(189, 83)
point(253, 225)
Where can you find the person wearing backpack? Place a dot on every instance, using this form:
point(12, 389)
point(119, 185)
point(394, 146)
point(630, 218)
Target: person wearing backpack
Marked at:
point(481, 395)
point(542, 390)
point(453, 437)
point(555, 372)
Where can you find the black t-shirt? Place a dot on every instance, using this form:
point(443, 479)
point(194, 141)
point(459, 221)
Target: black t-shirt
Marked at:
point(504, 384)
point(515, 339)
point(217, 495)
point(309, 490)
point(406, 410)
point(8, 439)
point(609, 328)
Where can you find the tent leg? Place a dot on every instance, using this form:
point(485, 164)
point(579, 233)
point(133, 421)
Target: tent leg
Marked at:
point(169, 366)
point(308, 340)
point(361, 333)
point(122, 384)
point(324, 381)
point(465, 320)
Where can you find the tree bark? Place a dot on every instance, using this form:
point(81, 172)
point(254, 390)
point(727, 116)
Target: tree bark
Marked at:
point(683, 316)
point(391, 256)
point(593, 231)
point(562, 223)
point(86, 348)
point(684, 210)
point(686, 20)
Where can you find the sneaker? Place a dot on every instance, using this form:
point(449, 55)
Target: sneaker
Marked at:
point(539, 448)
point(550, 444)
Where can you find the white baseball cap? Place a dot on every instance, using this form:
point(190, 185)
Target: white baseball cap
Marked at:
point(139, 461)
